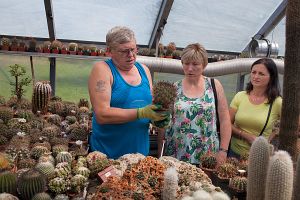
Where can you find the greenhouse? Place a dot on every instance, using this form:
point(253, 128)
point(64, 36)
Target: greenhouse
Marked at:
point(161, 99)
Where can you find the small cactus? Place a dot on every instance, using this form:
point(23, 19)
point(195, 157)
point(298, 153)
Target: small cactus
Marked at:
point(26, 163)
point(58, 185)
point(8, 182)
point(82, 171)
point(41, 96)
point(46, 168)
point(238, 183)
point(6, 114)
point(41, 196)
point(62, 170)
point(209, 161)
point(170, 184)
point(37, 151)
point(78, 182)
point(64, 156)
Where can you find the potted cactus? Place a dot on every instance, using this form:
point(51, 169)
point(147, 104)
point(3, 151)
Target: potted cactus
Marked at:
point(144, 52)
point(5, 43)
point(22, 46)
point(14, 44)
point(93, 50)
point(170, 50)
point(32, 45)
point(55, 46)
point(80, 50)
point(46, 47)
point(161, 50)
point(73, 47)
point(209, 163)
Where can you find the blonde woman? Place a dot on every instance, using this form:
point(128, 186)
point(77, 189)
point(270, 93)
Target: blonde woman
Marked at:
point(194, 132)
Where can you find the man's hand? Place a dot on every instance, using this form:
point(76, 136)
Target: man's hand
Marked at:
point(151, 113)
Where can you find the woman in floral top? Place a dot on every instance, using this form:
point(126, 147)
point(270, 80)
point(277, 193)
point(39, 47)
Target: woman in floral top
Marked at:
point(193, 132)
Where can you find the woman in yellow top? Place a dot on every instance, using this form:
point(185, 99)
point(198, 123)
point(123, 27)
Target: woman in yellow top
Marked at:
point(249, 109)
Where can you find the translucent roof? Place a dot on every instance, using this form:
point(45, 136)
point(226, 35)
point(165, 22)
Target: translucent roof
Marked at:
point(226, 25)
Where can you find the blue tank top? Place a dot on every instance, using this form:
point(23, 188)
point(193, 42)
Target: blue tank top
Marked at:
point(116, 140)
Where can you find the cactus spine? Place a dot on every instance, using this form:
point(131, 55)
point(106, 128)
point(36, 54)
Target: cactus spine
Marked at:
point(257, 169)
point(170, 184)
point(296, 194)
point(41, 196)
point(41, 96)
point(279, 184)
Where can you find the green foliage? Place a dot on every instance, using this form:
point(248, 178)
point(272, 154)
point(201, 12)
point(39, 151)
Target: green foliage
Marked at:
point(18, 72)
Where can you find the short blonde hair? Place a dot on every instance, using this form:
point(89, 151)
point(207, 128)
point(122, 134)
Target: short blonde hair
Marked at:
point(119, 35)
point(194, 53)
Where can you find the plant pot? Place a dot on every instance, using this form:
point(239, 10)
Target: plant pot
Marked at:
point(55, 51)
point(208, 172)
point(21, 49)
point(73, 52)
point(169, 57)
point(64, 51)
point(79, 53)
point(5, 48)
point(45, 50)
point(93, 53)
point(14, 48)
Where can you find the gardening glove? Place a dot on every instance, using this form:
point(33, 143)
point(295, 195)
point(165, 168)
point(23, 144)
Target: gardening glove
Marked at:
point(165, 123)
point(151, 112)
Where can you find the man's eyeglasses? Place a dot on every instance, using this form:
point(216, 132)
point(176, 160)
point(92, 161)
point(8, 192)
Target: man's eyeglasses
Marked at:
point(126, 52)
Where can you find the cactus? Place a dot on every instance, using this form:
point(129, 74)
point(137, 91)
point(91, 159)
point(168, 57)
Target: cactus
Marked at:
point(58, 185)
point(71, 119)
point(226, 171)
point(209, 161)
point(257, 169)
point(46, 45)
point(56, 107)
point(17, 71)
point(47, 158)
point(73, 46)
point(161, 50)
point(37, 151)
point(82, 171)
point(2, 101)
point(55, 44)
point(78, 182)
point(54, 119)
point(6, 114)
point(32, 45)
point(41, 196)
point(64, 156)
point(238, 183)
point(279, 184)
point(62, 170)
point(170, 49)
point(46, 168)
point(296, 194)
point(43, 143)
point(4, 162)
point(51, 131)
point(61, 197)
point(41, 96)
point(8, 182)
point(70, 108)
point(78, 133)
point(59, 148)
point(6, 196)
point(83, 103)
point(31, 183)
point(3, 140)
point(58, 140)
point(25, 114)
point(169, 191)
point(10, 132)
point(26, 163)
point(5, 43)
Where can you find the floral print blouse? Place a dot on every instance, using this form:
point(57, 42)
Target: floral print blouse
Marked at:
point(193, 132)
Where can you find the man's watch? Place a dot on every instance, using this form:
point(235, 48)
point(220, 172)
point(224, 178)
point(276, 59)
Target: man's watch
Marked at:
point(224, 150)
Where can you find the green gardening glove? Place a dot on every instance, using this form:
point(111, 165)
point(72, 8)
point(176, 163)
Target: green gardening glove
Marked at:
point(165, 123)
point(151, 112)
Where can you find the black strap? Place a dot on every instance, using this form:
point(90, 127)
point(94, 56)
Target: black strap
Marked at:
point(270, 108)
point(216, 104)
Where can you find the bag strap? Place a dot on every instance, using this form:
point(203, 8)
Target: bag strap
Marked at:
point(216, 104)
point(270, 108)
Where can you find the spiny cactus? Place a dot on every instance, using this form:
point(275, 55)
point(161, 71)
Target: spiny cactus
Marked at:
point(59, 140)
point(31, 183)
point(18, 72)
point(56, 107)
point(6, 114)
point(26, 163)
point(47, 158)
point(209, 161)
point(46, 168)
point(226, 171)
point(62, 170)
point(25, 114)
point(43, 143)
point(58, 185)
point(64, 156)
point(257, 169)
point(41, 196)
point(32, 45)
point(70, 108)
point(37, 151)
point(78, 133)
point(6, 196)
point(8, 182)
point(54, 119)
point(3, 140)
point(169, 191)
point(41, 96)
point(83, 103)
point(238, 183)
point(73, 46)
point(5, 43)
point(59, 148)
point(84, 171)
point(78, 182)
point(4, 162)
point(55, 45)
point(51, 131)
point(296, 194)
point(71, 119)
point(61, 197)
point(279, 184)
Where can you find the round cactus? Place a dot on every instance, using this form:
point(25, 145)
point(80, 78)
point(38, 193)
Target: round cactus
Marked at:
point(26, 163)
point(56, 107)
point(209, 161)
point(59, 148)
point(78, 182)
point(25, 113)
point(54, 119)
point(62, 170)
point(71, 119)
point(64, 156)
point(83, 103)
point(3, 140)
point(31, 183)
point(51, 131)
point(58, 185)
point(47, 157)
point(41, 196)
point(42, 143)
point(46, 168)
point(41, 96)
point(37, 151)
point(70, 108)
point(78, 133)
point(6, 114)
point(8, 182)
point(6, 196)
point(226, 171)
point(82, 171)
point(238, 183)
point(61, 197)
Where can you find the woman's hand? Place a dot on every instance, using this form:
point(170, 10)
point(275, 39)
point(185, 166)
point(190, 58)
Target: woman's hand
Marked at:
point(221, 157)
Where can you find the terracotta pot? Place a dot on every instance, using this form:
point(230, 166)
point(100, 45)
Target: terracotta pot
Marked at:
point(46, 50)
point(79, 53)
point(5, 48)
point(93, 53)
point(63, 51)
point(73, 52)
point(21, 49)
point(55, 51)
point(14, 48)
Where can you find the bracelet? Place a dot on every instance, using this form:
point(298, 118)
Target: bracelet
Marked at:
point(224, 150)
